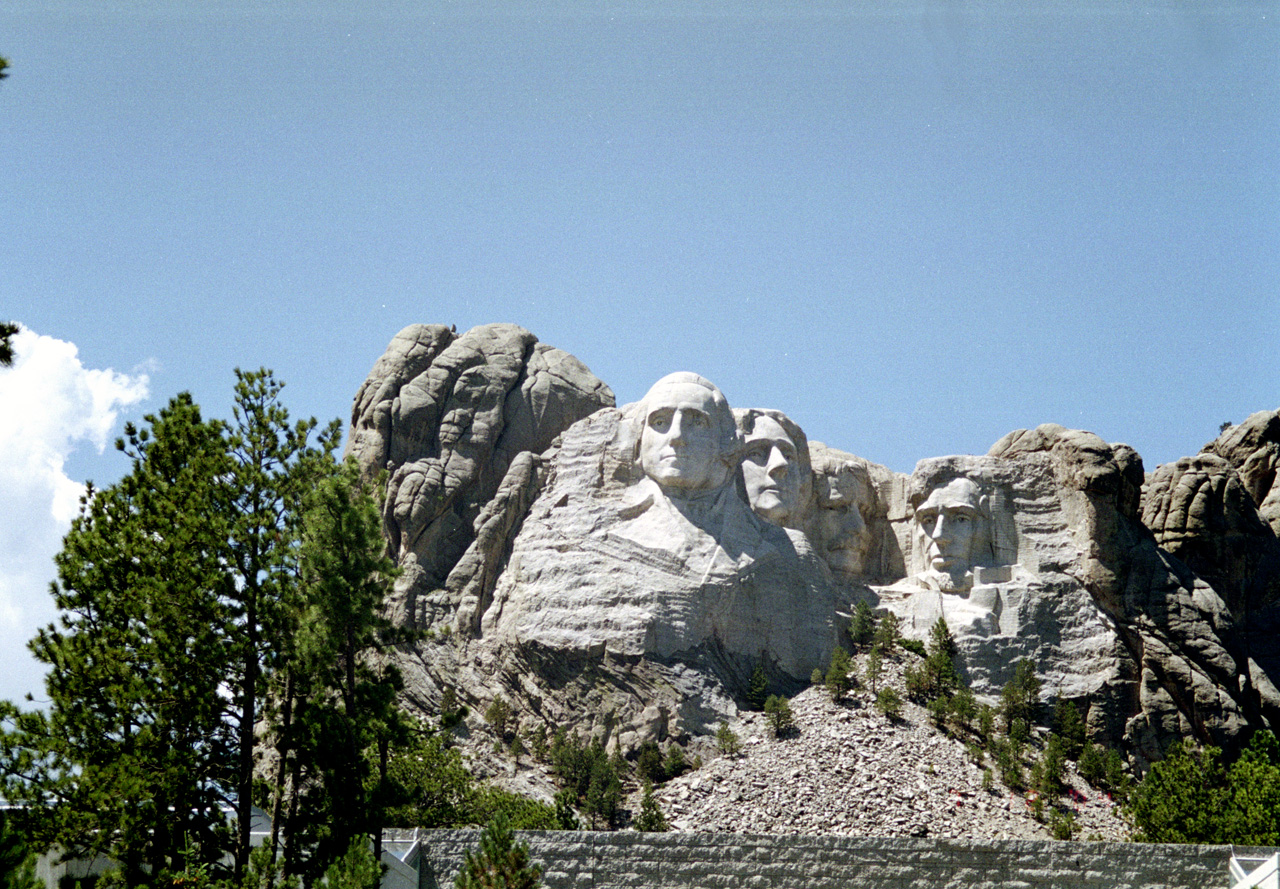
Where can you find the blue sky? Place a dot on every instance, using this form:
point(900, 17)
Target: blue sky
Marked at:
point(913, 227)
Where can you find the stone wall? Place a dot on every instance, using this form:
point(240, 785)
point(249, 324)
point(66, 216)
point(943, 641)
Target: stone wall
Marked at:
point(630, 860)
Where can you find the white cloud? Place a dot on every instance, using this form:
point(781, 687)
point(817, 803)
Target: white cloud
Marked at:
point(50, 404)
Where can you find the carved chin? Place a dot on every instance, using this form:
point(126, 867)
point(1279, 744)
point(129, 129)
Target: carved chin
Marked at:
point(768, 505)
point(947, 582)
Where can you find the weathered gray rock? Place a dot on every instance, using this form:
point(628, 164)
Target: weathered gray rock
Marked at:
point(445, 415)
point(1253, 449)
point(616, 557)
point(1178, 671)
point(624, 571)
point(990, 546)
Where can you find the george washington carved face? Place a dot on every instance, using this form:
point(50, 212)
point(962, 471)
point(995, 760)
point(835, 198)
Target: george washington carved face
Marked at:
point(686, 422)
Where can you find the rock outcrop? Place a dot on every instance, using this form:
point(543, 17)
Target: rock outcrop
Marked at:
point(445, 415)
point(625, 570)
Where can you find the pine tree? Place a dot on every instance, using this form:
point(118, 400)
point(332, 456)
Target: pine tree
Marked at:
point(862, 628)
point(1020, 697)
point(17, 860)
point(275, 470)
point(345, 720)
point(1182, 799)
point(887, 636)
point(758, 689)
point(651, 819)
point(778, 710)
point(500, 863)
point(8, 330)
point(130, 757)
point(1253, 814)
point(838, 680)
point(1069, 727)
point(874, 667)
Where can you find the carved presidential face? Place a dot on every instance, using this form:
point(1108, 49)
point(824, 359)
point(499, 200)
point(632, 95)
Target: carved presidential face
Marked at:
point(950, 522)
point(841, 529)
point(680, 444)
point(770, 471)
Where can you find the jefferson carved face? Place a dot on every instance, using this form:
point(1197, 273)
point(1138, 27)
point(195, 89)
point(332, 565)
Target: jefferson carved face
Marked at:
point(681, 442)
point(950, 520)
point(770, 471)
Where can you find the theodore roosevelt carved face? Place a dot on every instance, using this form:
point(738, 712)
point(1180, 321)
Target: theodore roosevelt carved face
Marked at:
point(687, 436)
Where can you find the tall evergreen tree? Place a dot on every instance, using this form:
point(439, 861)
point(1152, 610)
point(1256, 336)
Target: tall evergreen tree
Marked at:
point(344, 719)
point(130, 759)
point(275, 468)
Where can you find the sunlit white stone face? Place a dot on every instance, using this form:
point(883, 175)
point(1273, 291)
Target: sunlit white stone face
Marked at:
point(681, 441)
point(841, 529)
point(949, 521)
point(770, 471)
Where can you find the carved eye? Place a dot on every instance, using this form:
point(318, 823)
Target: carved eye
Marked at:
point(696, 420)
point(660, 420)
point(758, 454)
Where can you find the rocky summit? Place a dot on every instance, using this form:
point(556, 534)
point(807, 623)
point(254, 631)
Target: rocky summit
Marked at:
point(624, 571)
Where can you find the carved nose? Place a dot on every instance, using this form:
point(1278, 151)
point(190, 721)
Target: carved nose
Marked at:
point(676, 433)
point(939, 531)
point(777, 466)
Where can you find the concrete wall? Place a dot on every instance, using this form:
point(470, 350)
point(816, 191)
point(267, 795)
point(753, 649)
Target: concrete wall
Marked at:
point(630, 860)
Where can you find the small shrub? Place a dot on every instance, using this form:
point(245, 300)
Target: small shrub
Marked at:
point(727, 741)
point(675, 764)
point(889, 703)
point(758, 688)
point(915, 646)
point(837, 679)
point(651, 818)
point(816, 677)
point(521, 812)
point(778, 710)
point(501, 862)
point(988, 782)
point(862, 628)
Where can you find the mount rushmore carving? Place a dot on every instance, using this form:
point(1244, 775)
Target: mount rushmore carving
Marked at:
point(626, 569)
